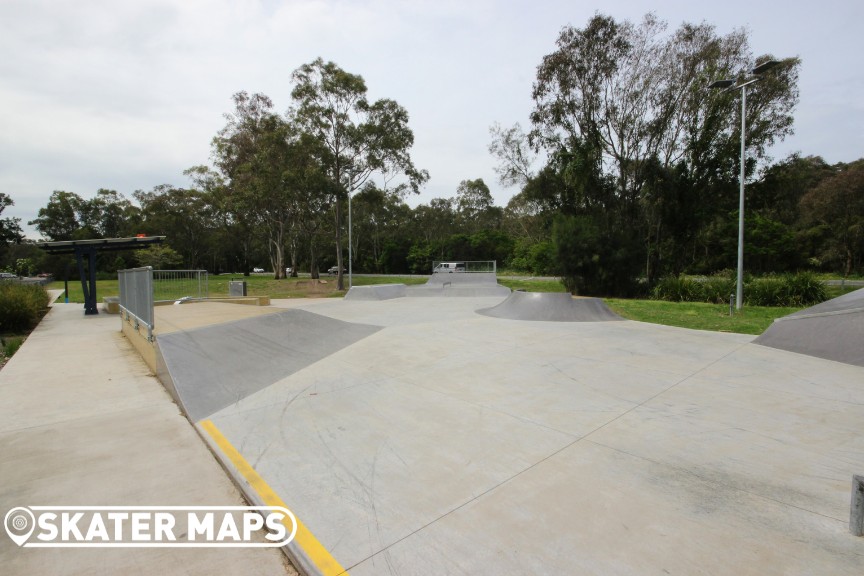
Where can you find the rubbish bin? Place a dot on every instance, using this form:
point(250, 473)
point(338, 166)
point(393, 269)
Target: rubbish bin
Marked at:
point(237, 288)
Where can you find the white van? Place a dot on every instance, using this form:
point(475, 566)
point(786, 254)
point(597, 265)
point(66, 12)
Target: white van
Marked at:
point(449, 267)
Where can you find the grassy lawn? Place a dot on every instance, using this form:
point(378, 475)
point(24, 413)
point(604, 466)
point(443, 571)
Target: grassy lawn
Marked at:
point(699, 316)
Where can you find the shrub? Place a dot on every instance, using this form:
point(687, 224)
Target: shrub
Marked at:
point(803, 289)
point(21, 306)
point(678, 289)
point(717, 288)
point(765, 291)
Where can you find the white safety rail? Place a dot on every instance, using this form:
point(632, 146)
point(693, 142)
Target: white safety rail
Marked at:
point(179, 284)
point(476, 266)
point(136, 297)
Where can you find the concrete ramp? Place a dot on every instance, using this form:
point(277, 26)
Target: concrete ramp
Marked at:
point(833, 330)
point(207, 369)
point(376, 292)
point(551, 307)
point(464, 284)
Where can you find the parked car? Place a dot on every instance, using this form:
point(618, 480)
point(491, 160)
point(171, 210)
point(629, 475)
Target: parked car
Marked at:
point(8, 276)
point(289, 271)
point(335, 270)
point(449, 267)
point(257, 270)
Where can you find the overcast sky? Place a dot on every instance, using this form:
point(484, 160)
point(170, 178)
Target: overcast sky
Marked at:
point(125, 94)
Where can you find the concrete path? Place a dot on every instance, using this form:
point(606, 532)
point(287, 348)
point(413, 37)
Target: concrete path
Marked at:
point(83, 422)
point(453, 443)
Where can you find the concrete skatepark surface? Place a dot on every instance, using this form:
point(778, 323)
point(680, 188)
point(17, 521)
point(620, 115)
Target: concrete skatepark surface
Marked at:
point(551, 307)
point(83, 422)
point(448, 442)
point(832, 330)
point(209, 368)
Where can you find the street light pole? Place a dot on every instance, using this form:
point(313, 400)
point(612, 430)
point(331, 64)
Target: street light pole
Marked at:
point(731, 85)
point(349, 242)
point(739, 286)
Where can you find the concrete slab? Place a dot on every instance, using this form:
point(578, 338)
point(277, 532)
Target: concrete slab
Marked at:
point(454, 443)
point(376, 292)
point(209, 368)
point(551, 307)
point(83, 422)
point(466, 285)
point(832, 330)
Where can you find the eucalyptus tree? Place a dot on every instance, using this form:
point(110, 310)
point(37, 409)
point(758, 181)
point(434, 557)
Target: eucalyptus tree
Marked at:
point(253, 154)
point(183, 215)
point(361, 138)
point(10, 228)
point(638, 98)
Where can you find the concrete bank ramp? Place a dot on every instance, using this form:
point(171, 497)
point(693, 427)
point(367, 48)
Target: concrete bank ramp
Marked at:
point(470, 284)
point(207, 369)
point(376, 292)
point(833, 330)
point(551, 307)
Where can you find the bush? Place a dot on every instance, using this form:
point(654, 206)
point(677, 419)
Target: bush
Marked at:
point(804, 289)
point(679, 289)
point(718, 288)
point(21, 306)
point(794, 290)
point(765, 291)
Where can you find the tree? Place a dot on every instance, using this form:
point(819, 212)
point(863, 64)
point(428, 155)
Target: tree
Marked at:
point(159, 256)
point(360, 138)
point(475, 207)
point(10, 228)
point(633, 100)
point(836, 207)
point(109, 214)
point(252, 153)
point(513, 151)
point(184, 216)
point(58, 220)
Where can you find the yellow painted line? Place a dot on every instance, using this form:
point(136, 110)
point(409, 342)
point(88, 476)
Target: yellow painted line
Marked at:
point(314, 550)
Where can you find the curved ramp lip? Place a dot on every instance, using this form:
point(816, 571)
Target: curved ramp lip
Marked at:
point(551, 307)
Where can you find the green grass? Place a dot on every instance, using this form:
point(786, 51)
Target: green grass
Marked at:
point(699, 316)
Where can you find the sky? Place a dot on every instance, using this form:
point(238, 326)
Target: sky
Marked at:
point(126, 95)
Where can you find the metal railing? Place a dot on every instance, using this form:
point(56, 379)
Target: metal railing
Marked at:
point(179, 284)
point(136, 297)
point(485, 266)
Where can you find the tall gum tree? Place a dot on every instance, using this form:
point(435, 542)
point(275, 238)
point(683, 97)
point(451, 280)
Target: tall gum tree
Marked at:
point(639, 96)
point(360, 138)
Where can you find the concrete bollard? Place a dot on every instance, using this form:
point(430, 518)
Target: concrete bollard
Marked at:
point(856, 516)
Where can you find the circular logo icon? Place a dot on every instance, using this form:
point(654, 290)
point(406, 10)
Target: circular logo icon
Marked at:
point(19, 523)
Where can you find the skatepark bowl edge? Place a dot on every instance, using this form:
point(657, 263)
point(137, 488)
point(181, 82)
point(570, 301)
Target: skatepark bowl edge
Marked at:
point(434, 430)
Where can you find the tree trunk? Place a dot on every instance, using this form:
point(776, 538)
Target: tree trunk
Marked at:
point(313, 260)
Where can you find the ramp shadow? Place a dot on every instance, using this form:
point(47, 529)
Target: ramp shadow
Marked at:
point(210, 368)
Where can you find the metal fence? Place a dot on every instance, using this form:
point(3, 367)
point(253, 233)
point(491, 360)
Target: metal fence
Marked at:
point(179, 284)
point(136, 297)
point(486, 266)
